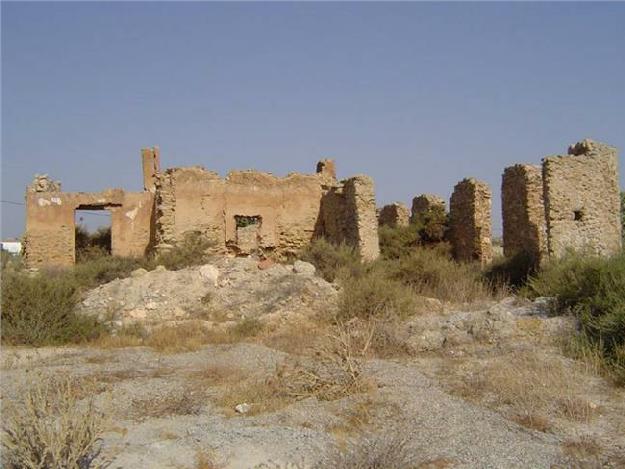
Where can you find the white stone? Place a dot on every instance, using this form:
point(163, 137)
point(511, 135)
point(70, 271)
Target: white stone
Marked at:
point(137, 313)
point(209, 273)
point(138, 272)
point(242, 408)
point(301, 267)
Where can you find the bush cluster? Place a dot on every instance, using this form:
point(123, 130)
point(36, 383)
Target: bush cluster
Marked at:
point(38, 309)
point(92, 245)
point(390, 286)
point(430, 228)
point(593, 289)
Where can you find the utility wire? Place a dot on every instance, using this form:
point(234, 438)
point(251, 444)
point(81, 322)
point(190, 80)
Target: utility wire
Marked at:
point(97, 214)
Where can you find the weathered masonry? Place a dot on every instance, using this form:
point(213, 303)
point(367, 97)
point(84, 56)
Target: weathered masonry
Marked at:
point(50, 228)
point(524, 226)
point(582, 203)
point(395, 214)
point(425, 205)
point(246, 212)
point(470, 221)
point(572, 202)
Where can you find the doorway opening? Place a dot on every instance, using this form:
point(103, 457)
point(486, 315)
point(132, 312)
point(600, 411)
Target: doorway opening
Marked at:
point(248, 233)
point(92, 233)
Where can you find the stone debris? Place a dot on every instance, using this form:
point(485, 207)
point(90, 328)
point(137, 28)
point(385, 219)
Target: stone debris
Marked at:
point(229, 287)
point(301, 267)
point(43, 183)
point(242, 408)
point(138, 272)
point(209, 273)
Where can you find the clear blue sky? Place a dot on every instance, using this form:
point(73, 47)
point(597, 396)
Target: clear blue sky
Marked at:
point(417, 95)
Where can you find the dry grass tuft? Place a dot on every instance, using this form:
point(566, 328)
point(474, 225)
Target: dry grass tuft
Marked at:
point(187, 336)
point(361, 415)
point(205, 460)
point(438, 463)
point(582, 448)
point(179, 402)
point(384, 450)
point(532, 389)
point(50, 427)
point(335, 372)
point(337, 368)
point(216, 375)
point(263, 395)
point(184, 337)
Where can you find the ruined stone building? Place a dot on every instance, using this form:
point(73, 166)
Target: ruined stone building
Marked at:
point(245, 212)
point(572, 202)
point(394, 215)
point(470, 221)
point(524, 226)
point(426, 204)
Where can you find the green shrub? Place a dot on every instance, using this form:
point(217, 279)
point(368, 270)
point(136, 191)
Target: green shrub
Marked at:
point(427, 229)
point(103, 269)
point(432, 272)
point(593, 289)
point(513, 271)
point(10, 261)
point(332, 260)
point(373, 295)
point(432, 225)
point(400, 241)
point(192, 250)
point(92, 245)
point(38, 310)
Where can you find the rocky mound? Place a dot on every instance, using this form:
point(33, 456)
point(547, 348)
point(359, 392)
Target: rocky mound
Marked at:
point(228, 289)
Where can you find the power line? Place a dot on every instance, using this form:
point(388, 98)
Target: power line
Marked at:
point(97, 214)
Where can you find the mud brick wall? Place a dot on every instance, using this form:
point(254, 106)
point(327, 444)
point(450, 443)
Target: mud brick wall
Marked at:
point(470, 221)
point(247, 212)
point(50, 226)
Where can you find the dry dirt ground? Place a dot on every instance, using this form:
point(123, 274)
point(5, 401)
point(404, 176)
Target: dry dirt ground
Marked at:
point(486, 386)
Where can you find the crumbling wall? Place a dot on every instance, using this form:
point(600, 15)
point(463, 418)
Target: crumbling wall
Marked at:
point(395, 214)
point(361, 227)
point(470, 221)
point(288, 208)
point(151, 166)
point(50, 223)
point(523, 210)
point(582, 203)
point(246, 212)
